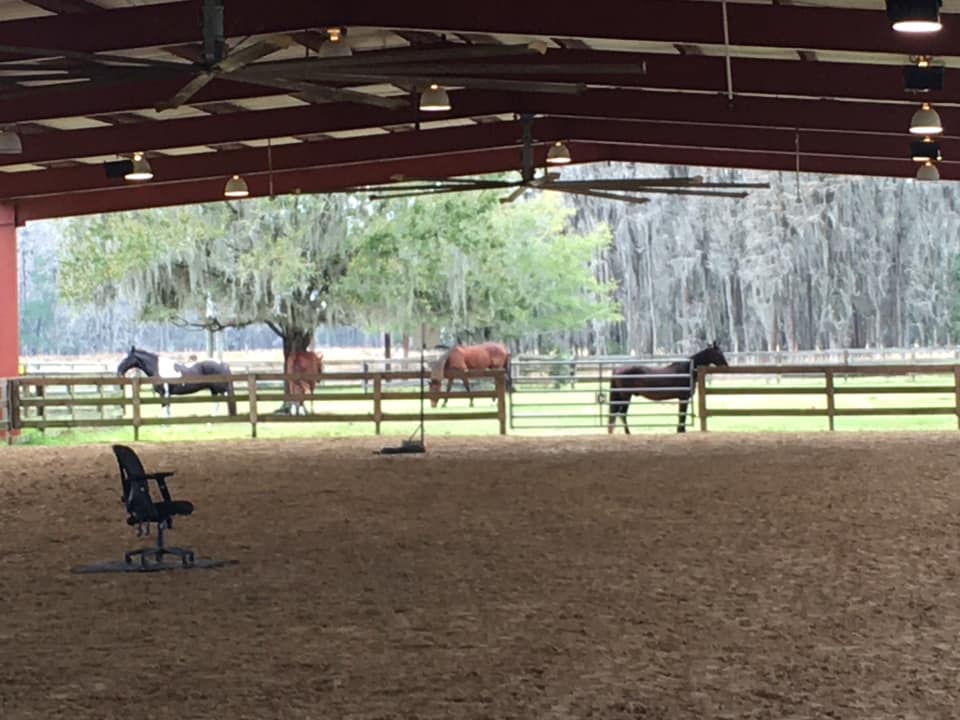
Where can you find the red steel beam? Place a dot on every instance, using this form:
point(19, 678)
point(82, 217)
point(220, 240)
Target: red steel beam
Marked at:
point(664, 72)
point(671, 21)
point(459, 139)
point(671, 108)
point(250, 161)
point(497, 160)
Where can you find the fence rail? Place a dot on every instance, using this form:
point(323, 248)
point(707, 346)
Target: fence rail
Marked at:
point(70, 401)
point(848, 386)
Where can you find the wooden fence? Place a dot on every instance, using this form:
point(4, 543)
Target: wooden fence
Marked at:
point(46, 402)
point(828, 382)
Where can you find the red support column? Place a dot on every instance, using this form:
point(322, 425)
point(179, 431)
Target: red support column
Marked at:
point(9, 300)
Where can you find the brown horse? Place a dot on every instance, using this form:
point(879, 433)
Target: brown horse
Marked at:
point(306, 363)
point(458, 360)
point(671, 382)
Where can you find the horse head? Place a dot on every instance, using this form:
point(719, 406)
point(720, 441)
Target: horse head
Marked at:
point(129, 362)
point(434, 391)
point(139, 360)
point(710, 355)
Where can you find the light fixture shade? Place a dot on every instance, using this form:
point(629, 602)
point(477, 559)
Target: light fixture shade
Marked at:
point(928, 171)
point(926, 149)
point(926, 121)
point(434, 99)
point(10, 143)
point(334, 49)
point(236, 187)
point(558, 154)
point(914, 16)
point(140, 170)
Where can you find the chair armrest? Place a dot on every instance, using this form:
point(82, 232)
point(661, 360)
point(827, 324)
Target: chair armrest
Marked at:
point(159, 475)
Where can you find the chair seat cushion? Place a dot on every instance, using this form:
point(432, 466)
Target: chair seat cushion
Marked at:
point(177, 507)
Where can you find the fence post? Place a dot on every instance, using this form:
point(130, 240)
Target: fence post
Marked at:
point(377, 400)
point(500, 382)
point(956, 392)
point(252, 394)
point(135, 398)
point(831, 399)
point(366, 369)
point(702, 398)
point(41, 410)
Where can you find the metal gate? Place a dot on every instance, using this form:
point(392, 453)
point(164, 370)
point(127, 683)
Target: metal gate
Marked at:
point(573, 394)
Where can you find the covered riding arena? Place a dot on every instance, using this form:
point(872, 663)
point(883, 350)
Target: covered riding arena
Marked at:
point(656, 576)
point(706, 575)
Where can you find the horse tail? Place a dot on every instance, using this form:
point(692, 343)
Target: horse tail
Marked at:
point(508, 380)
point(231, 400)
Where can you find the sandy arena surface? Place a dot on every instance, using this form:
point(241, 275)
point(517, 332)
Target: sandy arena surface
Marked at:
point(706, 576)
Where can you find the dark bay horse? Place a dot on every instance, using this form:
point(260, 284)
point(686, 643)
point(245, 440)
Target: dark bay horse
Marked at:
point(306, 363)
point(675, 381)
point(155, 366)
point(459, 359)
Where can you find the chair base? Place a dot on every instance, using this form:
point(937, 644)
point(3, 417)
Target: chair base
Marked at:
point(150, 556)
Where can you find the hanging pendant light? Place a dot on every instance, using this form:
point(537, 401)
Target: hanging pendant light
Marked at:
point(925, 150)
point(10, 143)
point(434, 99)
point(915, 16)
point(236, 187)
point(140, 168)
point(926, 121)
point(335, 46)
point(928, 171)
point(558, 154)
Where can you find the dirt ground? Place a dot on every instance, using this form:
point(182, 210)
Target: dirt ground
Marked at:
point(706, 576)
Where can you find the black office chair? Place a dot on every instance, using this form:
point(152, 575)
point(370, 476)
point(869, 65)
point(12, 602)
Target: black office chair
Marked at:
point(142, 509)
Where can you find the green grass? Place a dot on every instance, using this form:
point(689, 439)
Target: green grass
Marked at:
point(563, 410)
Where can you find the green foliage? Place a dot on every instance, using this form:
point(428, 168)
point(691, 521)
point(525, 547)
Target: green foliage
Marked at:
point(261, 261)
point(461, 261)
point(466, 263)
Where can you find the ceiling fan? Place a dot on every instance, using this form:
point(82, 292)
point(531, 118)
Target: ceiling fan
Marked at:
point(623, 189)
point(315, 79)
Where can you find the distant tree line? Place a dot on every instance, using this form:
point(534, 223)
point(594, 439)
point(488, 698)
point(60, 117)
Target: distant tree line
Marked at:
point(813, 262)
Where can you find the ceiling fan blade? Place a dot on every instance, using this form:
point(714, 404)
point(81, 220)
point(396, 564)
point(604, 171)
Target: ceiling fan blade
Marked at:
point(361, 77)
point(475, 185)
point(630, 183)
point(603, 195)
point(187, 91)
point(461, 181)
point(702, 193)
point(321, 93)
point(515, 194)
point(89, 58)
point(391, 58)
point(251, 53)
point(758, 186)
point(384, 194)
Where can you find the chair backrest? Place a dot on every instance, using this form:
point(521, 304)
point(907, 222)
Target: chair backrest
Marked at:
point(136, 491)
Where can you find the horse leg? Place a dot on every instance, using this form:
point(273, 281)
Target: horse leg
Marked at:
point(619, 402)
point(682, 423)
point(466, 386)
point(216, 403)
point(449, 385)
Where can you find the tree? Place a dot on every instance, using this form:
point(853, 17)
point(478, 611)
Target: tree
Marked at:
point(479, 269)
point(272, 261)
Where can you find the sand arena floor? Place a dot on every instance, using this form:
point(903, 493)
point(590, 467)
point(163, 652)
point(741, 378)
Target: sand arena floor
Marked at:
point(706, 576)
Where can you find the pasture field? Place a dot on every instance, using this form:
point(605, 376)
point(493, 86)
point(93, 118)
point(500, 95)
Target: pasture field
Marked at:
point(719, 575)
point(565, 408)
